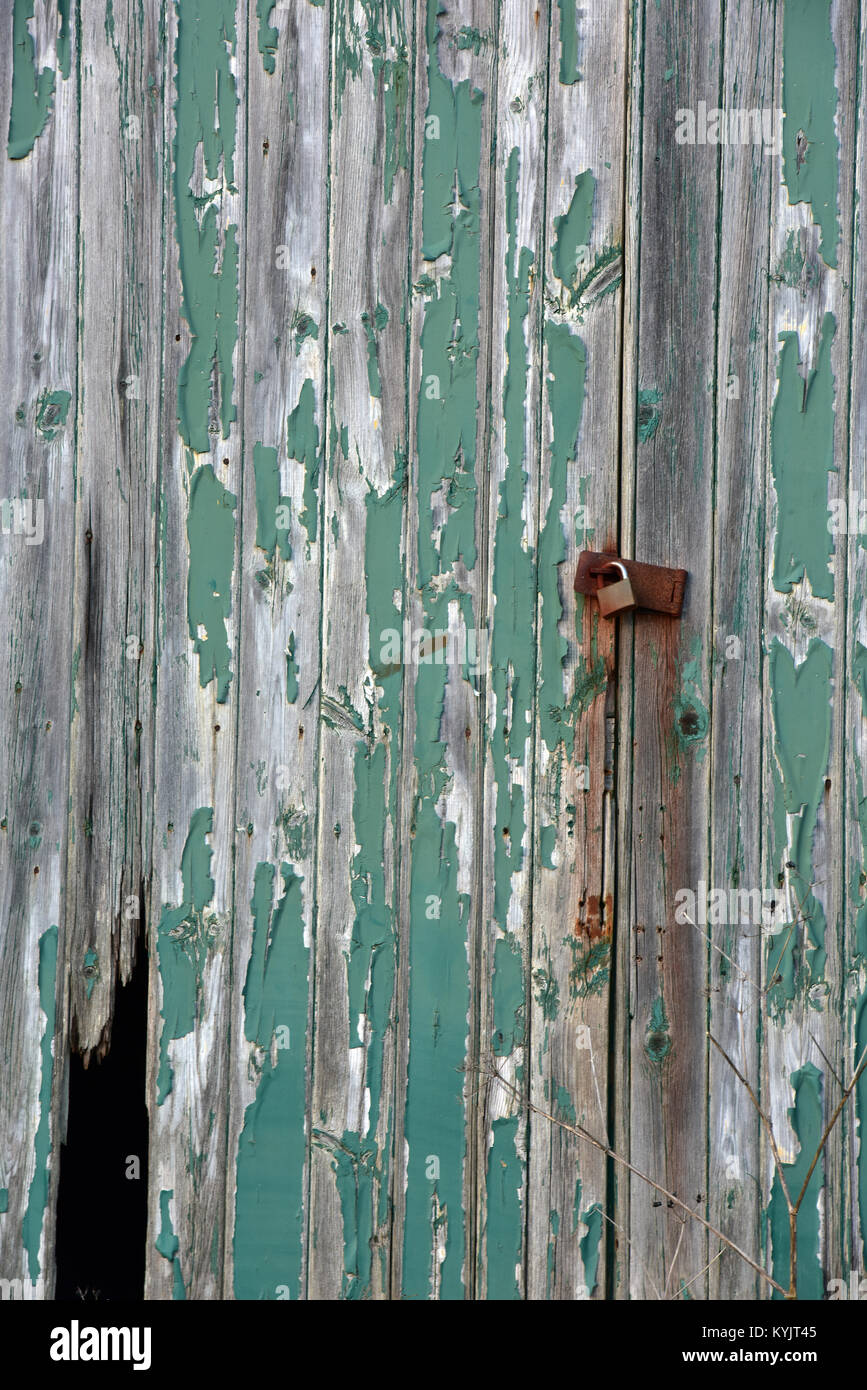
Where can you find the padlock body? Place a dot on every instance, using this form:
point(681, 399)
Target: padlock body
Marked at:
point(615, 598)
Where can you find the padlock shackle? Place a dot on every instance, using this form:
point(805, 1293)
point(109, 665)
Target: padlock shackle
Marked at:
point(599, 570)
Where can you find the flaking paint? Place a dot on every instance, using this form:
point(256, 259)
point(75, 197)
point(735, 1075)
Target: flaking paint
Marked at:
point(504, 1227)
point(37, 1196)
point(810, 145)
point(205, 112)
point(183, 940)
point(802, 456)
point(167, 1244)
point(572, 231)
point(268, 1236)
point(801, 707)
point(434, 1234)
point(32, 91)
point(211, 538)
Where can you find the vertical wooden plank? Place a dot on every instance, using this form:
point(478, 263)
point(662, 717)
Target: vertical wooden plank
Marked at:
point(805, 633)
point(573, 892)
point(434, 1241)
point(507, 653)
point(362, 674)
point(854, 1253)
point(118, 420)
point(748, 172)
point(278, 697)
point(38, 313)
point(191, 900)
point(663, 773)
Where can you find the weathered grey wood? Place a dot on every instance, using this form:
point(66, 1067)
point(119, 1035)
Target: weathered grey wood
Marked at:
point(285, 337)
point(190, 914)
point(117, 423)
point(668, 482)
point(518, 193)
point(362, 682)
point(38, 383)
point(573, 895)
point(747, 176)
point(853, 1254)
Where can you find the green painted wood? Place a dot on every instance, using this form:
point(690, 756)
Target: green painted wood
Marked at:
point(334, 333)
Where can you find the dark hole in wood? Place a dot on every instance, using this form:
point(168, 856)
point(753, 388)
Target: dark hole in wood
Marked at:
point(689, 723)
point(102, 1212)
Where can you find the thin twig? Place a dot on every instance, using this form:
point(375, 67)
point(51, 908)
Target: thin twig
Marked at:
point(826, 1059)
point(708, 1266)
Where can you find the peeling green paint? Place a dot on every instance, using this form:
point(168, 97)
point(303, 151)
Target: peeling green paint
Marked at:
point(167, 1244)
point(370, 960)
point(569, 73)
point(359, 1162)
point(52, 410)
point(303, 446)
point(211, 537)
point(589, 1245)
point(269, 1231)
point(37, 1197)
point(268, 36)
point(205, 115)
point(354, 1167)
point(32, 91)
point(504, 1229)
point(64, 46)
point(807, 1122)
point(508, 991)
point(434, 1228)
point(4, 1200)
point(648, 416)
point(514, 578)
point(292, 669)
point(184, 937)
point(810, 144)
point(572, 231)
point(802, 456)
point(801, 708)
point(272, 509)
point(373, 324)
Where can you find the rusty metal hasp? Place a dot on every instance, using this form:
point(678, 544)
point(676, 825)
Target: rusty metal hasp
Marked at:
point(653, 587)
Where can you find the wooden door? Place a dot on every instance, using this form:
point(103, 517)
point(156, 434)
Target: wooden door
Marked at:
point(493, 950)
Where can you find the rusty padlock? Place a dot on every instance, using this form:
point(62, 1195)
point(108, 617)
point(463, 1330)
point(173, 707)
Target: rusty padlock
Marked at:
point(617, 597)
